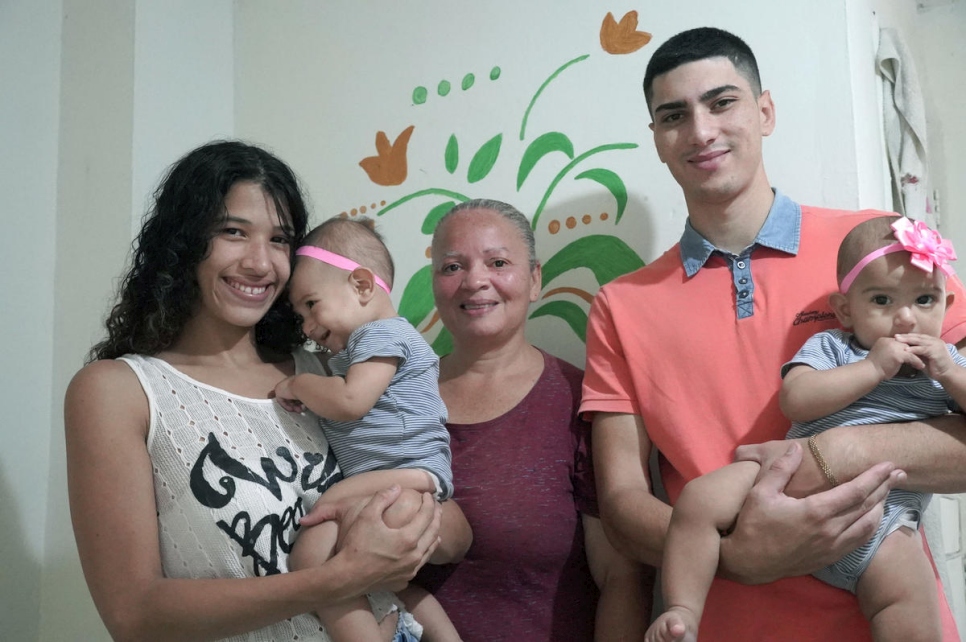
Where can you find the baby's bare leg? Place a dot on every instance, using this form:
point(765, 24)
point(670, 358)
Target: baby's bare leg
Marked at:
point(705, 508)
point(349, 621)
point(427, 610)
point(437, 627)
point(897, 592)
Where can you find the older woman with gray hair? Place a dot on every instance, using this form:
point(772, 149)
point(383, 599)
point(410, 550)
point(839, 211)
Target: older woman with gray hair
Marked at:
point(540, 566)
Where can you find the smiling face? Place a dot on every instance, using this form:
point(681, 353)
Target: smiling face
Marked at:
point(891, 296)
point(328, 301)
point(247, 265)
point(482, 281)
point(708, 125)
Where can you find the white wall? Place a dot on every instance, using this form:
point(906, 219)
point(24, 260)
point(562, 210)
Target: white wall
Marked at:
point(142, 82)
point(933, 30)
point(942, 65)
point(183, 86)
point(362, 66)
point(30, 77)
point(93, 230)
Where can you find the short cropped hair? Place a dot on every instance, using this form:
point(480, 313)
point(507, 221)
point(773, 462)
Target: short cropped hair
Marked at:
point(699, 44)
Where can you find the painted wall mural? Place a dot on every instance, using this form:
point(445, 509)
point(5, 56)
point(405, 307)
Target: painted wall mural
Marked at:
point(461, 164)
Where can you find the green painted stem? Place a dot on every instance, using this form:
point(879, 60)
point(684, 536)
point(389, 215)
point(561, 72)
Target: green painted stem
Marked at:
point(559, 177)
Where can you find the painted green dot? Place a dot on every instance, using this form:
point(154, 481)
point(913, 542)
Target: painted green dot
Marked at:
point(419, 95)
point(494, 73)
point(468, 81)
point(443, 88)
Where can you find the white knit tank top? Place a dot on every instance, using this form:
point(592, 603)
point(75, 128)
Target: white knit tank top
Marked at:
point(232, 477)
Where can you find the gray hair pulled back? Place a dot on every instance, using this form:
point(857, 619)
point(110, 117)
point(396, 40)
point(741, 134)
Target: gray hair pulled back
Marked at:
point(507, 211)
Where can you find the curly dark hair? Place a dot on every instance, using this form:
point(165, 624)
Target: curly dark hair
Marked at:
point(158, 294)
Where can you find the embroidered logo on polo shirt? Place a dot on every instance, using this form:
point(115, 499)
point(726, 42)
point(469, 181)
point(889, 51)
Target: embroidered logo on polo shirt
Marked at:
point(813, 316)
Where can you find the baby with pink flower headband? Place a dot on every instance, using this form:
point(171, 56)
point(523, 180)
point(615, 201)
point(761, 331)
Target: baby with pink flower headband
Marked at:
point(888, 365)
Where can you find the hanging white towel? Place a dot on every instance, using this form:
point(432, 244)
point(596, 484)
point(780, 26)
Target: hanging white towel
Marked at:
point(905, 126)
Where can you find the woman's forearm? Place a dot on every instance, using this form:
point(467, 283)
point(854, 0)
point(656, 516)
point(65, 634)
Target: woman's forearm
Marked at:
point(182, 610)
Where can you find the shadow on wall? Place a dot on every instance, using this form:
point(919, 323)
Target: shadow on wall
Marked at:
point(68, 612)
point(20, 576)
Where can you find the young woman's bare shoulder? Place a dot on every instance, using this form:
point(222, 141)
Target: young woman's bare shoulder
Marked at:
point(106, 390)
point(105, 373)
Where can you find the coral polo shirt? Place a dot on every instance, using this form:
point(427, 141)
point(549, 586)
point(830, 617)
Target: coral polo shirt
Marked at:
point(694, 344)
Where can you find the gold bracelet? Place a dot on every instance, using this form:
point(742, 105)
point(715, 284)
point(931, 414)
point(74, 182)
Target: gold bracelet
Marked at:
point(822, 464)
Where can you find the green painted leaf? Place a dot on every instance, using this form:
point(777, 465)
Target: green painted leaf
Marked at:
point(484, 159)
point(417, 299)
point(569, 312)
point(549, 142)
point(429, 223)
point(613, 183)
point(603, 254)
point(560, 175)
point(452, 156)
point(443, 343)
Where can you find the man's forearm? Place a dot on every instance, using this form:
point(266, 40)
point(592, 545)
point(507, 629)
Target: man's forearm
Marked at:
point(932, 452)
point(636, 524)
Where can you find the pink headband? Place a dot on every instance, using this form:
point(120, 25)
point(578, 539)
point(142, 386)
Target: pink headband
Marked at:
point(926, 247)
point(336, 260)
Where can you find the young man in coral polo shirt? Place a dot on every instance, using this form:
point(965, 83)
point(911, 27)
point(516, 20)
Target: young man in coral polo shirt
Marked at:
point(684, 356)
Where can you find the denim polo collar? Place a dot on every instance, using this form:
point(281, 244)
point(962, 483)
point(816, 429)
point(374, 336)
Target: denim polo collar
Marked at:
point(781, 231)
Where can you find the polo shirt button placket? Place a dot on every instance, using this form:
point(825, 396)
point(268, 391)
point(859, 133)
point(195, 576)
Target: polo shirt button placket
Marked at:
point(741, 270)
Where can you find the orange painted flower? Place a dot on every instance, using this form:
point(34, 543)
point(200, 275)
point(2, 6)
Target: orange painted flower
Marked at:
point(388, 167)
point(622, 38)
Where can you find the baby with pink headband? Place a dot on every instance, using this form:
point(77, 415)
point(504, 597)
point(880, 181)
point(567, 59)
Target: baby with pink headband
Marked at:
point(888, 365)
point(381, 411)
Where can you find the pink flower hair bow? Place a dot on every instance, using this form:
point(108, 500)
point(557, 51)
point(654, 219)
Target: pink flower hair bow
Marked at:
point(926, 247)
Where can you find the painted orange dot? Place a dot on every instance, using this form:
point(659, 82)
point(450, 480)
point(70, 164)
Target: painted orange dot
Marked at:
point(362, 209)
point(429, 252)
point(604, 216)
point(554, 227)
point(382, 202)
point(343, 214)
point(586, 219)
point(571, 222)
point(353, 211)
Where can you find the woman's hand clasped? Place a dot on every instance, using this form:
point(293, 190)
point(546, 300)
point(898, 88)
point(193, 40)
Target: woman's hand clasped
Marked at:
point(385, 555)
